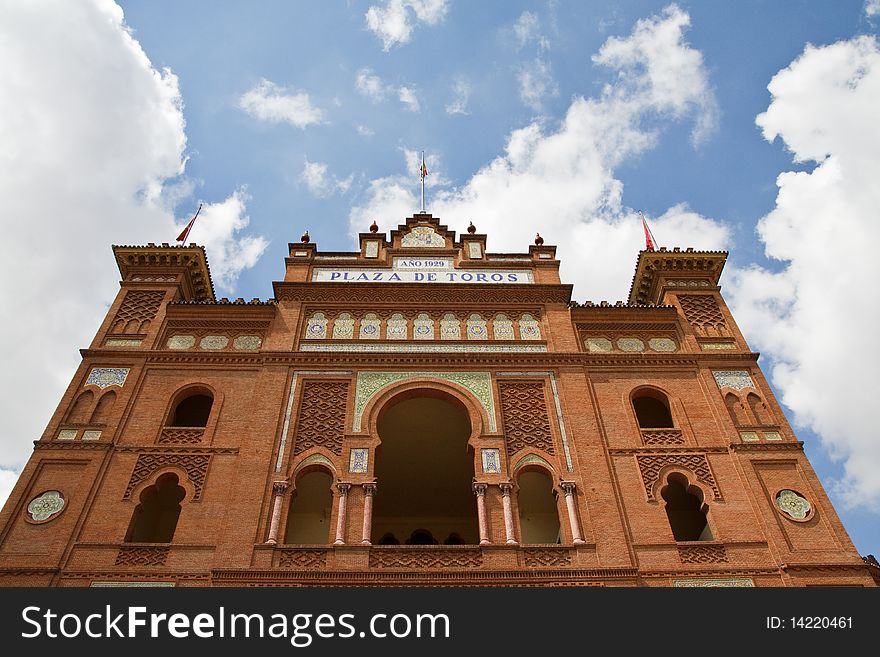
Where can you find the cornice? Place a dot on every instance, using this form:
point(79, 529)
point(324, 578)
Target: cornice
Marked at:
point(615, 361)
point(650, 264)
point(74, 445)
point(458, 293)
point(658, 451)
point(768, 447)
point(191, 258)
point(709, 573)
point(160, 449)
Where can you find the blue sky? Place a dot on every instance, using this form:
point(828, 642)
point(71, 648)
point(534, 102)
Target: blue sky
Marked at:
point(561, 117)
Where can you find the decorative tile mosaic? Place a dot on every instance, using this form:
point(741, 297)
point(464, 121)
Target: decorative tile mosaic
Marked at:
point(396, 327)
point(371, 249)
point(67, 434)
point(502, 327)
point(748, 436)
point(598, 345)
point(491, 460)
point(343, 327)
point(532, 458)
point(370, 383)
point(214, 342)
point(423, 327)
point(423, 236)
point(727, 582)
point(528, 328)
point(122, 342)
point(717, 346)
point(544, 256)
point(316, 458)
point(427, 347)
point(181, 342)
point(630, 344)
point(450, 327)
point(104, 377)
point(300, 254)
point(662, 344)
point(476, 328)
point(736, 379)
point(793, 504)
point(371, 327)
point(46, 505)
point(358, 460)
point(772, 435)
point(475, 252)
point(248, 342)
point(91, 434)
point(316, 329)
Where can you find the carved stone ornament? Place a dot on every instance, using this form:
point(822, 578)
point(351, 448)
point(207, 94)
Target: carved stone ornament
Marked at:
point(45, 506)
point(793, 504)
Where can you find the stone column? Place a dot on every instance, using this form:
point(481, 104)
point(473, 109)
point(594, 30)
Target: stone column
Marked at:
point(369, 491)
point(278, 489)
point(340, 519)
point(569, 488)
point(508, 513)
point(480, 492)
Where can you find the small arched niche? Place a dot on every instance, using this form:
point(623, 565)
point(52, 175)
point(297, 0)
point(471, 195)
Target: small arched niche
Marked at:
point(652, 409)
point(685, 510)
point(538, 514)
point(155, 519)
point(308, 519)
point(192, 409)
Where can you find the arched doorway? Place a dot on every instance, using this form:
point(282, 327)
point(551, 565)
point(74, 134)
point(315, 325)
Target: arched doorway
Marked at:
point(308, 519)
point(425, 471)
point(538, 515)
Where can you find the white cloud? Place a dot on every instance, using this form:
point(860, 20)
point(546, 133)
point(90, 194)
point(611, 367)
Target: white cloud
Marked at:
point(365, 131)
point(370, 85)
point(872, 7)
point(7, 482)
point(321, 183)
point(409, 99)
point(394, 21)
point(266, 101)
point(461, 92)
point(536, 83)
point(815, 318)
point(560, 181)
point(528, 29)
point(93, 149)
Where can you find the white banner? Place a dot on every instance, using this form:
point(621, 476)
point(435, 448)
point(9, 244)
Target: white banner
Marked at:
point(351, 275)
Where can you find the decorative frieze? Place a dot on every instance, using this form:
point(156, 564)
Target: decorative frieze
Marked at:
point(300, 558)
point(715, 582)
point(662, 437)
point(425, 558)
point(702, 554)
point(629, 343)
point(142, 555)
point(547, 557)
point(181, 435)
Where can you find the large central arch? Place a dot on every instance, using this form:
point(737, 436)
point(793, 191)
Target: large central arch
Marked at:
point(424, 470)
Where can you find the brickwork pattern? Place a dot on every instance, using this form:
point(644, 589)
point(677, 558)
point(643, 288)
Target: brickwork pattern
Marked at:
point(524, 410)
point(195, 466)
point(703, 313)
point(650, 466)
point(702, 554)
point(425, 558)
point(302, 558)
point(138, 555)
point(181, 435)
point(321, 420)
point(137, 311)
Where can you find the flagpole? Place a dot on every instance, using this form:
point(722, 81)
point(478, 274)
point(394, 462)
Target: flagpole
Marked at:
point(422, 175)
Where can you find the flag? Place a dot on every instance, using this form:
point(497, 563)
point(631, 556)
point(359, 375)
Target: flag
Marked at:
point(649, 238)
point(185, 232)
point(424, 170)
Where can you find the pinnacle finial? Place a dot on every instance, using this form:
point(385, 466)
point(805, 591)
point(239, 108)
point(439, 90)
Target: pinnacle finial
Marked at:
point(305, 237)
point(538, 239)
point(471, 228)
point(374, 227)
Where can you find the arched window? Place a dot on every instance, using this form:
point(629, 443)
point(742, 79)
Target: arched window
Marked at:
point(538, 515)
point(736, 409)
point(759, 409)
point(79, 414)
point(155, 518)
point(104, 408)
point(685, 510)
point(308, 519)
point(652, 410)
point(192, 411)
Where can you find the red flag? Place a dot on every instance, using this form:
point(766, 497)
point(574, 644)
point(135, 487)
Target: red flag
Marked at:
point(649, 239)
point(424, 169)
point(185, 233)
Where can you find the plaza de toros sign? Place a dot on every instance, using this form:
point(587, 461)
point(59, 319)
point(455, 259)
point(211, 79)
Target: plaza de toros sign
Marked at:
point(420, 270)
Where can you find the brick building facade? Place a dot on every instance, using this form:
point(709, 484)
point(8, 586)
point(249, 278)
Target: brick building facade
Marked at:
point(420, 412)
